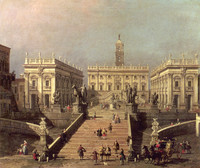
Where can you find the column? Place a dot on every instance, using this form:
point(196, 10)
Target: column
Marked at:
point(53, 86)
point(106, 85)
point(113, 82)
point(182, 96)
point(122, 88)
point(195, 100)
point(131, 83)
point(97, 81)
point(89, 87)
point(170, 90)
point(27, 75)
point(197, 125)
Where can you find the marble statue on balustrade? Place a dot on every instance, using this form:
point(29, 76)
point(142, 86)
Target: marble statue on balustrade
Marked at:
point(131, 106)
point(56, 97)
point(154, 103)
point(80, 104)
point(83, 94)
point(56, 102)
point(154, 98)
point(43, 131)
point(129, 94)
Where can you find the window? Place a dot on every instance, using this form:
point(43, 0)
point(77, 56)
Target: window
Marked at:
point(127, 77)
point(143, 77)
point(109, 77)
point(189, 83)
point(117, 87)
point(143, 87)
point(135, 77)
point(93, 77)
point(109, 87)
point(101, 77)
point(47, 83)
point(101, 87)
point(176, 83)
point(92, 87)
point(33, 83)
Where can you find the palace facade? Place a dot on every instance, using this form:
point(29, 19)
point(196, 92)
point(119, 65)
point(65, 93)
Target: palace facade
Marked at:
point(45, 76)
point(113, 79)
point(18, 92)
point(176, 83)
point(6, 79)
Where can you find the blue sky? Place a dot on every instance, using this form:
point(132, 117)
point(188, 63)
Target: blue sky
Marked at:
point(84, 32)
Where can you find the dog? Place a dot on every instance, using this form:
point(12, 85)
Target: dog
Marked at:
point(105, 163)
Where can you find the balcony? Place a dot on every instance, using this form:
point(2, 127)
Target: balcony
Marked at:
point(33, 87)
point(177, 88)
point(47, 87)
point(190, 89)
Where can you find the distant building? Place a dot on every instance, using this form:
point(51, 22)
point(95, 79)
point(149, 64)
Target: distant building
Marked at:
point(18, 91)
point(5, 81)
point(115, 79)
point(44, 76)
point(176, 83)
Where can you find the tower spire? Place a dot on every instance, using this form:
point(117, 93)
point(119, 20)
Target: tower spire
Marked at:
point(119, 37)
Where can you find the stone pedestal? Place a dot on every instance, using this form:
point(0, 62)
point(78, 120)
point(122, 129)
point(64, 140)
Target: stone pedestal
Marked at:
point(76, 108)
point(56, 108)
point(129, 108)
point(154, 135)
point(43, 132)
point(154, 109)
point(111, 107)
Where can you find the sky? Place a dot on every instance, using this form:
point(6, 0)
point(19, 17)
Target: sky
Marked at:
point(84, 32)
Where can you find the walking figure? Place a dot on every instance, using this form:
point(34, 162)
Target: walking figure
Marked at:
point(81, 151)
point(95, 157)
point(110, 127)
point(116, 146)
point(122, 157)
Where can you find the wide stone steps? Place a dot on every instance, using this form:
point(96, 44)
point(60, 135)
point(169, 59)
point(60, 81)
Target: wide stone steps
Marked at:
point(86, 136)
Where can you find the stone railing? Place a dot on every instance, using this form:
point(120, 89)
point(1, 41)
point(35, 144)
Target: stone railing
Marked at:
point(118, 67)
point(178, 129)
point(172, 62)
point(20, 127)
point(53, 61)
point(130, 131)
point(56, 146)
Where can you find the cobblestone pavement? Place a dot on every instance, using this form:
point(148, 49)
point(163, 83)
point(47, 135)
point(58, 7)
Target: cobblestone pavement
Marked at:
point(187, 160)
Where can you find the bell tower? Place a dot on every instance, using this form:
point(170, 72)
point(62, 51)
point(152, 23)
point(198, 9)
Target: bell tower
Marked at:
point(119, 54)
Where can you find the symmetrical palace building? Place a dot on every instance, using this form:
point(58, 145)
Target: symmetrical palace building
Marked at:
point(45, 76)
point(116, 78)
point(5, 80)
point(176, 83)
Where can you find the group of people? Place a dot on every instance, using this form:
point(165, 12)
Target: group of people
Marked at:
point(116, 119)
point(101, 133)
point(103, 151)
point(186, 147)
point(23, 150)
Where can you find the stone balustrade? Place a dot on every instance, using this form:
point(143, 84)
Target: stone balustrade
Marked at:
point(118, 68)
point(55, 147)
point(13, 126)
point(178, 129)
point(51, 61)
point(175, 62)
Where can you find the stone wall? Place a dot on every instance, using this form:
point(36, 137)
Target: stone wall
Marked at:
point(57, 145)
point(184, 128)
point(20, 127)
point(164, 118)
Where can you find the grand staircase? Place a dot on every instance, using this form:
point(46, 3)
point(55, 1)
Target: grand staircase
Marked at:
point(86, 136)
